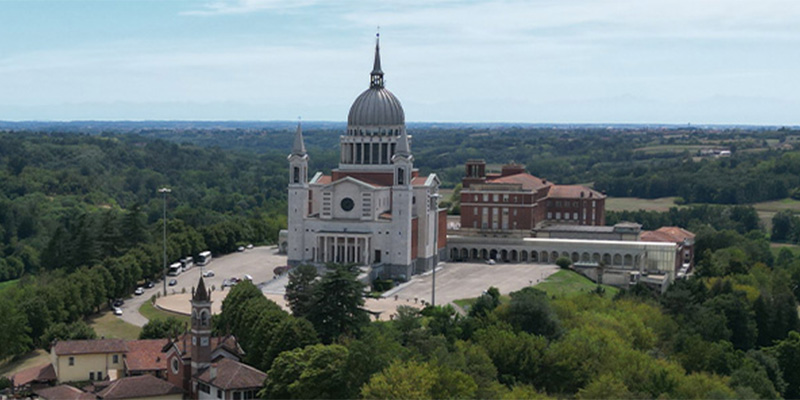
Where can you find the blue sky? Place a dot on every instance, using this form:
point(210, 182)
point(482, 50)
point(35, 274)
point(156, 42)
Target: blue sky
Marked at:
point(540, 61)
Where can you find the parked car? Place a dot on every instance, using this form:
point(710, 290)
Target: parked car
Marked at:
point(139, 291)
point(118, 303)
point(241, 248)
point(248, 277)
point(490, 261)
point(230, 282)
point(208, 274)
point(173, 282)
point(117, 311)
point(150, 284)
point(249, 246)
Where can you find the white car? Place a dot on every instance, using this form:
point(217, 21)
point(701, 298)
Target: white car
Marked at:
point(248, 277)
point(208, 274)
point(139, 291)
point(241, 248)
point(490, 261)
point(249, 246)
point(117, 311)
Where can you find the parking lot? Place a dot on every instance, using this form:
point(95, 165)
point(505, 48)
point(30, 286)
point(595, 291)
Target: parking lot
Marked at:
point(257, 262)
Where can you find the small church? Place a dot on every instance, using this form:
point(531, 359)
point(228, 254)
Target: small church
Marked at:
point(374, 210)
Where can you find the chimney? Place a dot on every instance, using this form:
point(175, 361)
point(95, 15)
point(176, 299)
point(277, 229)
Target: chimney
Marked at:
point(212, 372)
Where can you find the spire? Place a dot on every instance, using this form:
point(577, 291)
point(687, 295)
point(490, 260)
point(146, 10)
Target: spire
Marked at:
point(201, 294)
point(402, 145)
point(376, 76)
point(299, 147)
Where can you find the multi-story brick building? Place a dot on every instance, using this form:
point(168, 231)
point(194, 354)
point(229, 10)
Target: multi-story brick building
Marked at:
point(515, 200)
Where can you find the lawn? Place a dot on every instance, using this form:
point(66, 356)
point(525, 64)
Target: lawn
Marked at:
point(767, 209)
point(31, 359)
point(563, 283)
point(567, 283)
point(107, 325)
point(776, 248)
point(150, 312)
point(7, 284)
point(635, 203)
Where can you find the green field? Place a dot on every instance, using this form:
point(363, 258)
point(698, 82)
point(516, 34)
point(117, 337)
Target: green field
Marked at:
point(150, 312)
point(107, 325)
point(567, 283)
point(672, 148)
point(635, 203)
point(563, 283)
point(31, 359)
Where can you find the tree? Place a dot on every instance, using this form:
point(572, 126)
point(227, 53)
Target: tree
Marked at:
point(414, 380)
point(292, 333)
point(517, 356)
point(563, 262)
point(313, 372)
point(486, 303)
point(783, 223)
point(787, 351)
point(300, 289)
point(338, 304)
point(233, 304)
point(161, 328)
point(78, 330)
point(14, 334)
point(605, 386)
point(530, 311)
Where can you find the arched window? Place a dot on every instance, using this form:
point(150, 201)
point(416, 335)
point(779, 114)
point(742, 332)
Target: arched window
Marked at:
point(203, 318)
point(401, 176)
point(296, 178)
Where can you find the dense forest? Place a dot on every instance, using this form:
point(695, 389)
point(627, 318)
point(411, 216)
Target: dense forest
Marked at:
point(81, 218)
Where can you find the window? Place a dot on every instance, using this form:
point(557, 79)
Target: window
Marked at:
point(575, 204)
point(575, 216)
point(91, 376)
point(204, 341)
point(476, 197)
point(401, 176)
point(237, 395)
point(594, 203)
point(485, 197)
point(72, 361)
point(496, 198)
point(474, 210)
point(99, 376)
point(558, 215)
point(549, 215)
point(219, 393)
point(203, 387)
point(175, 365)
point(515, 212)
point(505, 198)
point(296, 175)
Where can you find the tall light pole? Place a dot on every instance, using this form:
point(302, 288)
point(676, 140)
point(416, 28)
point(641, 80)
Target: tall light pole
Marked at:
point(435, 208)
point(164, 191)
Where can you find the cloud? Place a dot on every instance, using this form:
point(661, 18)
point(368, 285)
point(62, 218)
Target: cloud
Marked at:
point(227, 7)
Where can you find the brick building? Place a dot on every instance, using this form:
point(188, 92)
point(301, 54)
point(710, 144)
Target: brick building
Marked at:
point(515, 200)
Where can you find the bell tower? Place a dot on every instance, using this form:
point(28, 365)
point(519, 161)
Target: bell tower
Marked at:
point(298, 198)
point(201, 327)
point(402, 203)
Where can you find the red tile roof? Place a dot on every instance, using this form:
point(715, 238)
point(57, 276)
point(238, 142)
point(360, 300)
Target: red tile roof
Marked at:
point(573, 192)
point(64, 392)
point(670, 234)
point(138, 386)
point(656, 236)
point(419, 181)
point(676, 232)
point(528, 181)
point(324, 180)
point(231, 374)
point(39, 373)
point(94, 346)
point(146, 355)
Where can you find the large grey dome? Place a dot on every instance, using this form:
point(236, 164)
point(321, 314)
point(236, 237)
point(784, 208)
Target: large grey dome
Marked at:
point(375, 107)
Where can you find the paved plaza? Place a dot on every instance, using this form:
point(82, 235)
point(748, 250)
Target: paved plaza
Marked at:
point(453, 281)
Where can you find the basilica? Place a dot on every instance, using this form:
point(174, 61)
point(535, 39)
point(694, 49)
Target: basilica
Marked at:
point(374, 210)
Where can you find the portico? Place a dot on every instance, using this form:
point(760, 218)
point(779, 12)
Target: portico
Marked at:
point(343, 248)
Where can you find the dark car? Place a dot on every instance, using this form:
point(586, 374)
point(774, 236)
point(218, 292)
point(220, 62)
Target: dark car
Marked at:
point(118, 303)
point(150, 284)
point(173, 282)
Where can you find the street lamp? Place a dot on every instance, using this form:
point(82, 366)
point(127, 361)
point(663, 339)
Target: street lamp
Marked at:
point(164, 191)
point(435, 208)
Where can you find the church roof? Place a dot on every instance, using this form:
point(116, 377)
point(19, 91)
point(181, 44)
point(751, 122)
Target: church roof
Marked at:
point(138, 386)
point(145, 355)
point(376, 106)
point(230, 374)
point(201, 293)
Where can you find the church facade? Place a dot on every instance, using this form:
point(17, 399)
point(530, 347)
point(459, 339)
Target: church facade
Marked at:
point(373, 210)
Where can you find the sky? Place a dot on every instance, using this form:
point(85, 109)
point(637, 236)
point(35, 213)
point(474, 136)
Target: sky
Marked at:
point(535, 61)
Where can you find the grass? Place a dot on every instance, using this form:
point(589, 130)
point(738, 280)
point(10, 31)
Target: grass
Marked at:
point(107, 325)
point(151, 312)
point(567, 283)
point(672, 148)
point(563, 283)
point(635, 203)
point(7, 284)
point(776, 248)
point(31, 359)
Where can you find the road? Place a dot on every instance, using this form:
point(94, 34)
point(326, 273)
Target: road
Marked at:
point(257, 262)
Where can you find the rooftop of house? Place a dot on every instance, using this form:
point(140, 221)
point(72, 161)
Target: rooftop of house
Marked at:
point(63, 392)
point(138, 386)
point(528, 181)
point(146, 355)
point(229, 374)
point(573, 192)
point(93, 346)
point(39, 373)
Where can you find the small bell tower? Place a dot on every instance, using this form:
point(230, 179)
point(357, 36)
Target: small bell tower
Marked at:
point(201, 327)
